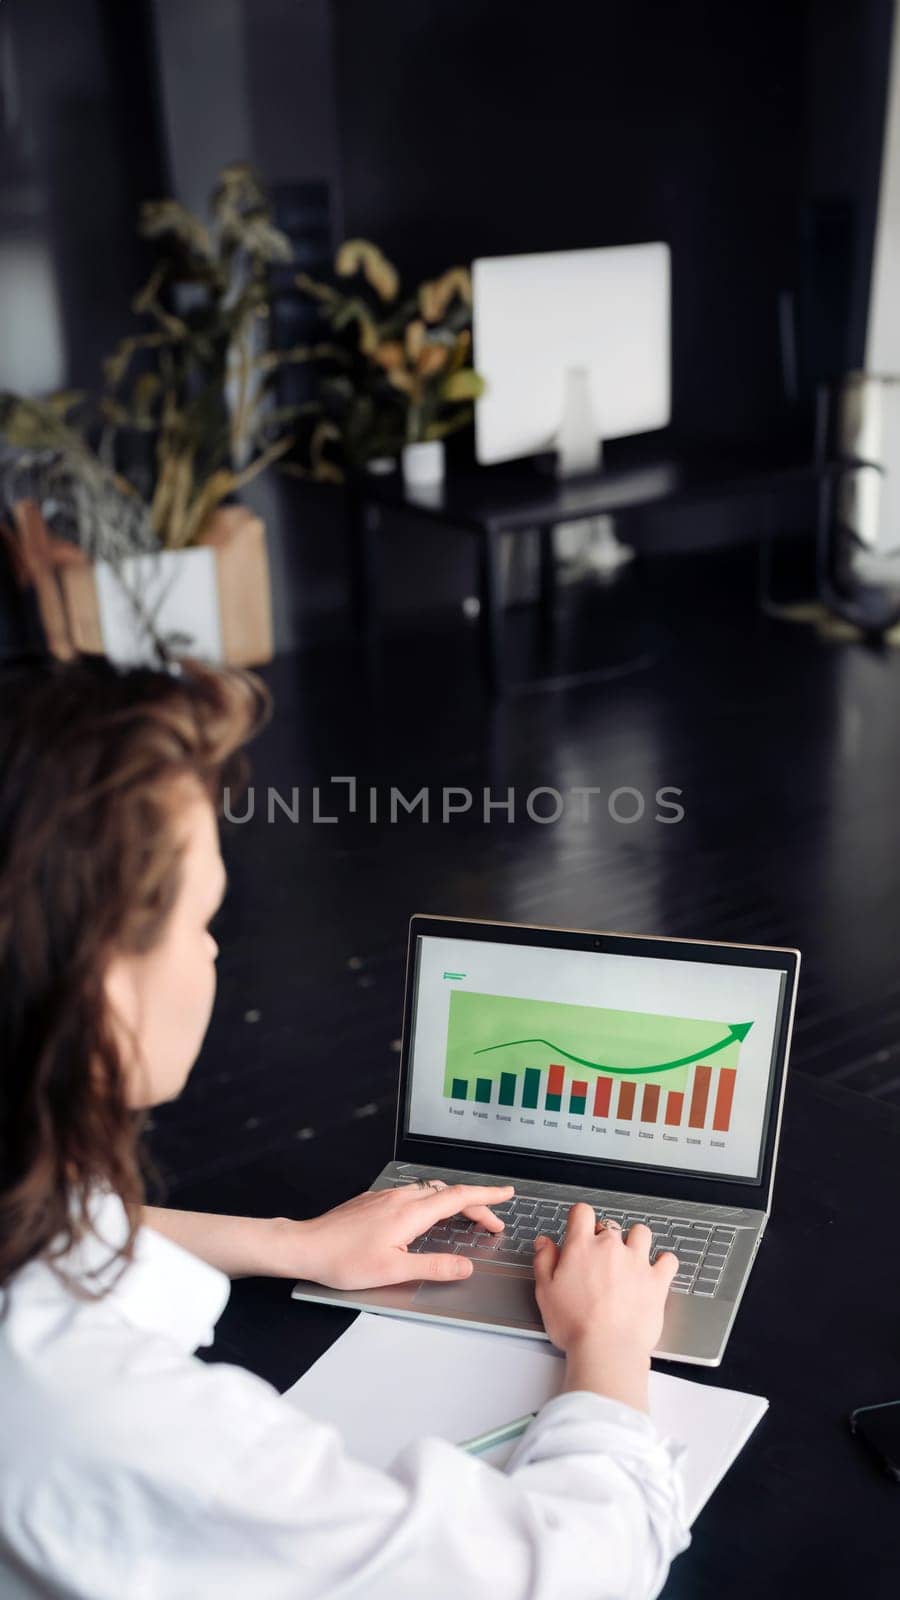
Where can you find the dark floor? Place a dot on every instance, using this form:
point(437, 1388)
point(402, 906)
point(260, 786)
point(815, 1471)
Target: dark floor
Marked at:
point(787, 753)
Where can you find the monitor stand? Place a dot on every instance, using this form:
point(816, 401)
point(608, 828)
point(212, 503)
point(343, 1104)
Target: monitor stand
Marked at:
point(578, 549)
point(588, 546)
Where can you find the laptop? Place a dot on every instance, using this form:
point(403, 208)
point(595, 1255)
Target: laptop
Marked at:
point(645, 1076)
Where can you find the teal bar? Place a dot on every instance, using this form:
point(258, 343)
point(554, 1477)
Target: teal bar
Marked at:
point(553, 1102)
point(577, 1104)
point(507, 1088)
point(531, 1089)
point(460, 1089)
point(483, 1088)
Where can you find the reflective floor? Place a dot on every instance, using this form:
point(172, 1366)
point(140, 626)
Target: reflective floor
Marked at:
point(782, 750)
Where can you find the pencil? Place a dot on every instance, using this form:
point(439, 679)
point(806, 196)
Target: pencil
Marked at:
point(501, 1435)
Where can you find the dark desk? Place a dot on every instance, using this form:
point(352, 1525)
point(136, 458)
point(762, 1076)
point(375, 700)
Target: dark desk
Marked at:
point(802, 1512)
point(639, 475)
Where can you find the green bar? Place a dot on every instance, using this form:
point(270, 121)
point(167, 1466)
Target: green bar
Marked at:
point(460, 1090)
point(532, 1086)
point(507, 1088)
point(552, 1102)
point(576, 1104)
point(483, 1089)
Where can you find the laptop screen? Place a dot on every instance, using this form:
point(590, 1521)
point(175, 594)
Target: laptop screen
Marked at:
point(637, 1060)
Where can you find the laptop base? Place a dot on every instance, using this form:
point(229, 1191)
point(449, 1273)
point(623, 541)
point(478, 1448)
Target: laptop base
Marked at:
point(500, 1298)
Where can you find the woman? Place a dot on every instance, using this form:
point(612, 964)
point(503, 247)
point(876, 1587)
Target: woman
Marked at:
point(128, 1468)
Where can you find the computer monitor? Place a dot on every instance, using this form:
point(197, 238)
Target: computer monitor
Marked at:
point(538, 318)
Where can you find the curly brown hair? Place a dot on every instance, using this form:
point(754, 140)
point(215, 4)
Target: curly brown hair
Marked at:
point(89, 865)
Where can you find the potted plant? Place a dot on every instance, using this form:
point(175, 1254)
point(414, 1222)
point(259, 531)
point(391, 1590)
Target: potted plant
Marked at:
point(52, 478)
point(406, 381)
point(144, 479)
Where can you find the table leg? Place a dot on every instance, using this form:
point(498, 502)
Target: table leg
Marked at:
point(825, 508)
point(491, 617)
point(766, 557)
point(547, 591)
point(364, 553)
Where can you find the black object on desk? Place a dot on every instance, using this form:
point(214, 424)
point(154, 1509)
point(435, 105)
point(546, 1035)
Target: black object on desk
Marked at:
point(639, 474)
point(803, 1511)
point(878, 1427)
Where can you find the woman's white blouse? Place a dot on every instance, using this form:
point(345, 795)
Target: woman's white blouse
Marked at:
point(129, 1470)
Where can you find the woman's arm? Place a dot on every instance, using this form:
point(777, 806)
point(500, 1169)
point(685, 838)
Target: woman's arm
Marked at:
point(589, 1506)
point(361, 1244)
point(239, 1246)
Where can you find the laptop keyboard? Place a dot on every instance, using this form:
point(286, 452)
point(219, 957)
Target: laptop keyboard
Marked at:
point(702, 1248)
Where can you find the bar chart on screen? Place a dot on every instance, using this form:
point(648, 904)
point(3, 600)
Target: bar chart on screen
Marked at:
point(602, 1066)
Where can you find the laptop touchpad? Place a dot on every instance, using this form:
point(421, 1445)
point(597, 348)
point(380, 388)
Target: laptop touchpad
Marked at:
point(485, 1297)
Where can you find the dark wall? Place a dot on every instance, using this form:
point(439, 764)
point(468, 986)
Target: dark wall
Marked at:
point(845, 88)
point(479, 129)
point(293, 105)
point(747, 136)
point(253, 80)
point(81, 155)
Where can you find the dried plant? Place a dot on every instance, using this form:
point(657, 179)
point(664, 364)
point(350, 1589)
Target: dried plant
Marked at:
point(187, 417)
point(49, 458)
point(406, 372)
point(87, 504)
point(195, 385)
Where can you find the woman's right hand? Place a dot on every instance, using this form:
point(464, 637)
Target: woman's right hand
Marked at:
point(602, 1303)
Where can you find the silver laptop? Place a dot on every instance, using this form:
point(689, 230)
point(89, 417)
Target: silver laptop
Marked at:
point(643, 1075)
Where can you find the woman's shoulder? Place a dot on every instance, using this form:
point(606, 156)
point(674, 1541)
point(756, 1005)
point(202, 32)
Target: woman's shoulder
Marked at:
point(111, 1380)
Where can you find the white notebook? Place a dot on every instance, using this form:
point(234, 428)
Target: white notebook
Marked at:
point(388, 1380)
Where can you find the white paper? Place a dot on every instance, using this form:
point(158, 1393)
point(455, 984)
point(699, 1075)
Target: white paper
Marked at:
point(388, 1380)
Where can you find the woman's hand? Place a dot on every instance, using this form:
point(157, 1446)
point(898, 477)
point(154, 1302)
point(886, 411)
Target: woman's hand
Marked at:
point(364, 1243)
point(602, 1303)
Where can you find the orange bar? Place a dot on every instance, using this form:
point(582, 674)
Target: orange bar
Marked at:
point(674, 1108)
point(650, 1103)
point(602, 1096)
point(555, 1080)
point(724, 1098)
point(626, 1102)
point(700, 1096)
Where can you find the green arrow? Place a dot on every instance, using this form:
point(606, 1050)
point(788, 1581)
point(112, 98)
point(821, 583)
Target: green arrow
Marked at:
point(737, 1030)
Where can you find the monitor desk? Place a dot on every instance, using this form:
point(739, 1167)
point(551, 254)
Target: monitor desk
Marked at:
point(802, 1512)
point(648, 473)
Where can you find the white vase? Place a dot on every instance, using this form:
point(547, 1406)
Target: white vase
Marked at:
point(423, 463)
point(177, 589)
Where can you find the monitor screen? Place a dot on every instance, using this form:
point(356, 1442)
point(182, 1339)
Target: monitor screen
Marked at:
point(648, 1061)
point(602, 313)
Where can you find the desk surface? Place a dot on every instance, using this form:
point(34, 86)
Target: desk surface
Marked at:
point(638, 473)
point(802, 1512)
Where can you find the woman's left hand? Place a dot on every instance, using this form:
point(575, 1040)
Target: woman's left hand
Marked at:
point(364, 1243)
